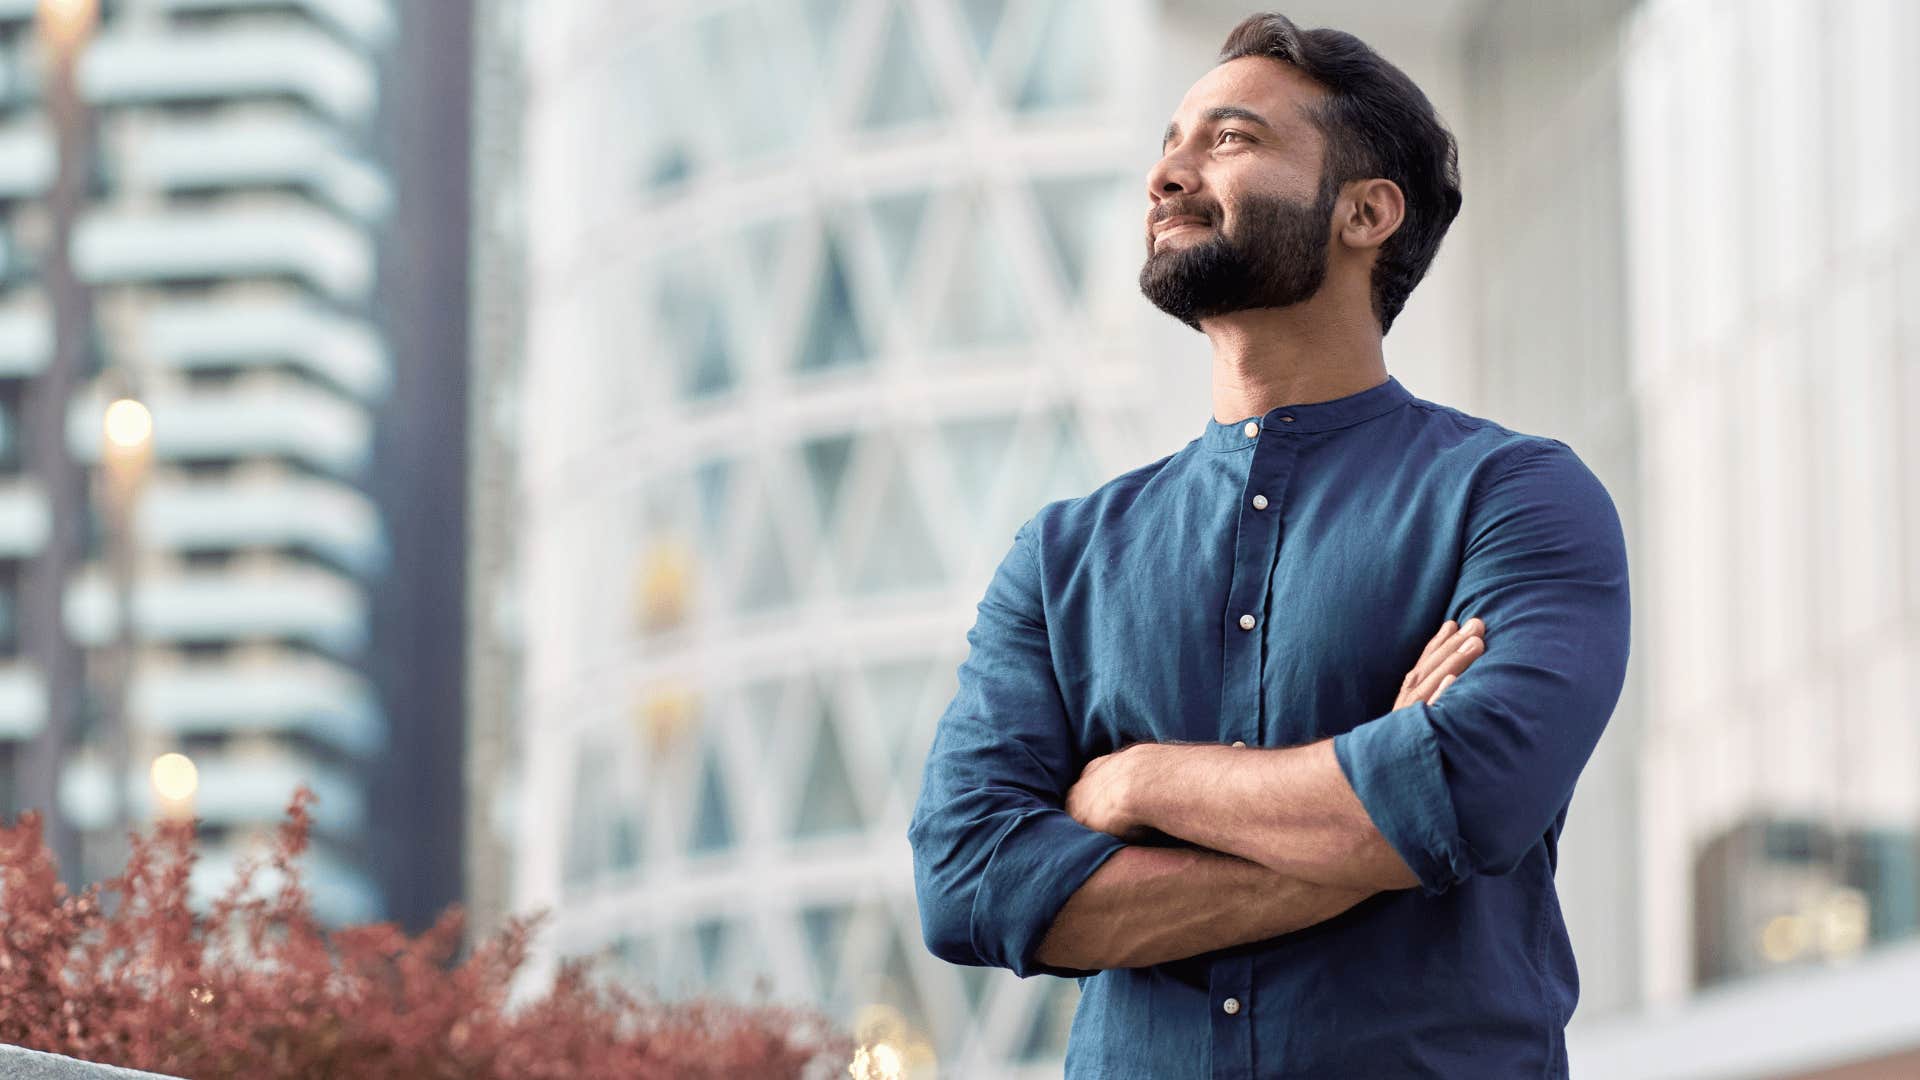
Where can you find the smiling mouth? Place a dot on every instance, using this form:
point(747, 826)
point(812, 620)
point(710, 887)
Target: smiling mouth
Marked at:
point(1171, 229)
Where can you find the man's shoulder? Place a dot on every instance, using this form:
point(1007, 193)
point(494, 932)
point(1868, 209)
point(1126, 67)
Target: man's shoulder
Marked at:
point(1079, 516)
point(1489, 449)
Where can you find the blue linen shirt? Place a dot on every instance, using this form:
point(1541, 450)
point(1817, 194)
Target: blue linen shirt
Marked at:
point(1349, 530)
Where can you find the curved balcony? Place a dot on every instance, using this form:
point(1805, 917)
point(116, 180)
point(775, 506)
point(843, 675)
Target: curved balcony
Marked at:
point(235, 789)
point(269, 415)
point(283, 148)
point(129, 67)
point(368, 22)
point(271, 692)
point(282, 238)
point(241, 332)
point(267, 511)
point(272, 599)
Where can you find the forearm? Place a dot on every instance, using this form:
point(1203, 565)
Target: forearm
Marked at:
point(1149, 905)
point(1290, 810)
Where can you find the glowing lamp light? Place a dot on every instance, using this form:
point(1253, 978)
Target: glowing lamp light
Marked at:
point(128, 425)
point(67, 22)
point(1844, 922)
point(175, 777)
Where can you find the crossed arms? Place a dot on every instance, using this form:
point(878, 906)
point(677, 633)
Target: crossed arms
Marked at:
point(1024, 860)
point(1281, 841)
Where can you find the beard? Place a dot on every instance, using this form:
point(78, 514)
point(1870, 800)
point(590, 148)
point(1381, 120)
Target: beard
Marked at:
point(1275, 256)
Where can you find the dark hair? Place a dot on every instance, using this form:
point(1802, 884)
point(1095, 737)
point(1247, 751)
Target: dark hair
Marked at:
point(1376, 123)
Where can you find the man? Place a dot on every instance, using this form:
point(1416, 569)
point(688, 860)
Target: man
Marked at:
point(1200, 757)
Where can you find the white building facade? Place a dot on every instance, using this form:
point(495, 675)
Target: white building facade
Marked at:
point(822, 299)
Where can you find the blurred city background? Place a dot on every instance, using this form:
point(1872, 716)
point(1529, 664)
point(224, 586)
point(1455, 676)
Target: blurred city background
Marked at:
point(572, 438)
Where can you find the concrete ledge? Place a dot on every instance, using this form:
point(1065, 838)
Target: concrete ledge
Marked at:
point(19, 1063)
point(1798, 1021)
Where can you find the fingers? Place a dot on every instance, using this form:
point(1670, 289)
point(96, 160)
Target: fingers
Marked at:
point(1446, 631)
point(1448, 646)
point(1427, 651)
point(1448, 653)
point(1449, 666)
point(1444, 683)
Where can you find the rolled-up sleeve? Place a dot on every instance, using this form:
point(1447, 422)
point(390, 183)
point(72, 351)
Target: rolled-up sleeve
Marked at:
point(995, 857)
point(1468, 785)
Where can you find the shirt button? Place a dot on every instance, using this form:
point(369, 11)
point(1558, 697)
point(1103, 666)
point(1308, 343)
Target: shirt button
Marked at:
point(1251, 429)
point(1230, 1006)
point(1259, 502)
point(1239, 744)
point(1246, 622)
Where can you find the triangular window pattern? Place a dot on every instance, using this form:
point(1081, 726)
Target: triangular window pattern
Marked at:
point(829, 806)
point(1073, 210)
point(901, 553)
point(826, 461)
point(712, 818)
point(765, 243)
point(707, 362)
point(824, 18)
point(628, 840)
point(894, 693)
point(695, 333)
point(981, 305)
point(976, 451)
point(898, 986)
point(711, 479)
point(975, 981)
point(1046, 1037)
point(901, 92)
point(897, 220)
point(1065, 70)
point(834, 336)
point(710, 939)
point(768, 580)
point(983, 21)
point(1070, 469)
point(760, 109)
point(589, 812)
point(825, 929)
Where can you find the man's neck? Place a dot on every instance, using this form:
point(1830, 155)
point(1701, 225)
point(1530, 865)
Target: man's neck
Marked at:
point(1267, 357)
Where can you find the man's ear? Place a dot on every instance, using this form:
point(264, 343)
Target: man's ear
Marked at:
point(1374, 210)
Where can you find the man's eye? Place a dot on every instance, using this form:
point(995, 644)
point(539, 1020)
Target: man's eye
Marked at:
point(1224, 134)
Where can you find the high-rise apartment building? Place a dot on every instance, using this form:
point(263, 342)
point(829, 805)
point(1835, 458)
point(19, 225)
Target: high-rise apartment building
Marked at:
point(197, 198)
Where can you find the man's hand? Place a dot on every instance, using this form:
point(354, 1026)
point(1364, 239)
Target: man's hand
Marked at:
point(1448, 653)
point(1099, 798)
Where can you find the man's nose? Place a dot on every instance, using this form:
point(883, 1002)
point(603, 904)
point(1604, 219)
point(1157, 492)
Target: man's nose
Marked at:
point(1171, 175)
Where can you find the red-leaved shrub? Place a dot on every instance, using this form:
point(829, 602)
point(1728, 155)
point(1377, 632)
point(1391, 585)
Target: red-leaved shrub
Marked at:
point(255, 987)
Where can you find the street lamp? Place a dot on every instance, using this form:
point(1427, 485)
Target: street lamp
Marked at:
point(126, 430)
point(62, 30)
point(175, 779)
point(66, 24)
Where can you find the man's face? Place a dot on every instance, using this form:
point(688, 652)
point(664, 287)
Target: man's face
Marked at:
point(1238, 216)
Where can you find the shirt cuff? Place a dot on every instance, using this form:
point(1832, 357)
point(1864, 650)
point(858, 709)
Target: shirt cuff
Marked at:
point(1393, 763)
point(1036, 866)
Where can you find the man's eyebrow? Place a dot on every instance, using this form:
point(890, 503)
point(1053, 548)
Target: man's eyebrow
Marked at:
point(1219, 112)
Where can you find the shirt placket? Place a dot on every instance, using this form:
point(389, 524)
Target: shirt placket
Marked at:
point(1256, 543)
point(1257, 539)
